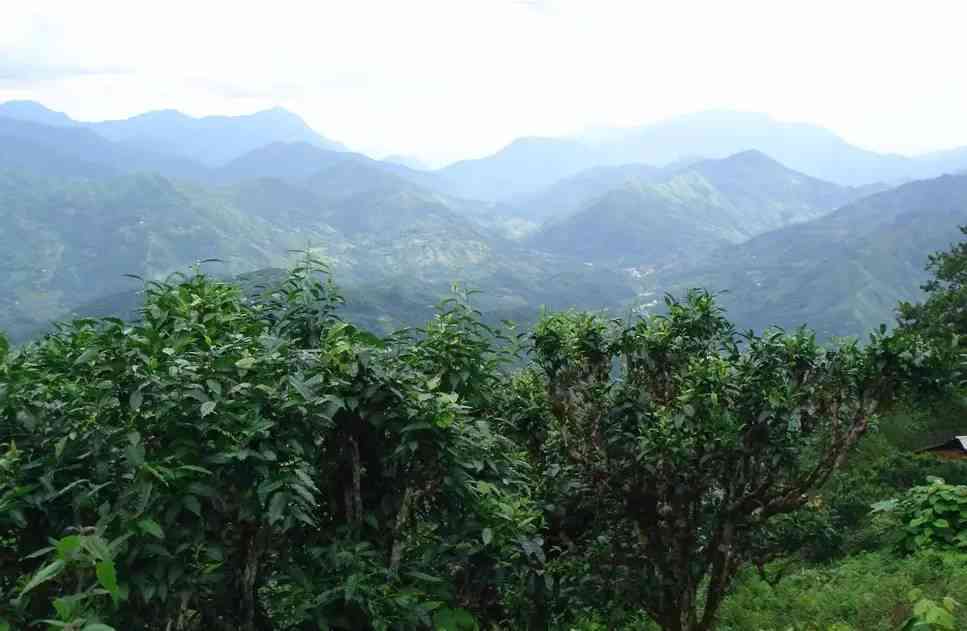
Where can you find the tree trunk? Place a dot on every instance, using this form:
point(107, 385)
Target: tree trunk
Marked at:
point(242, 610)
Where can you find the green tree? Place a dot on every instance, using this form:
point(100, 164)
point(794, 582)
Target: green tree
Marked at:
point(259, 464)
point(943, 315)
point(678, 440)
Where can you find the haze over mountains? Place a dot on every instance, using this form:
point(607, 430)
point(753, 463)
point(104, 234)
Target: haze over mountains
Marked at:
point(797, 224)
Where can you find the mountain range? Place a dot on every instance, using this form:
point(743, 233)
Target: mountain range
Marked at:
point(682, 214)
point(841, 274)
point(209, 140)
point(605, 220)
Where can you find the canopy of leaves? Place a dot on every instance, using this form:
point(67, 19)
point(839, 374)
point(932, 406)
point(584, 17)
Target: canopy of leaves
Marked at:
point(258, 465)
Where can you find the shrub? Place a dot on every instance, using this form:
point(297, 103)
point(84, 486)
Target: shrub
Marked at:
point(933, 516)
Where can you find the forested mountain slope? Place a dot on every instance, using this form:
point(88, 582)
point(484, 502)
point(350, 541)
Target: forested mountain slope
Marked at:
point(842, 274)
point(683, 216)
point(569, 194)
point(67, 242)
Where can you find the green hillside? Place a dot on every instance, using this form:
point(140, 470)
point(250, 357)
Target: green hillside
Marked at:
point(67, 244)
point(63, 242)
point(684, 215)
point(842, 274)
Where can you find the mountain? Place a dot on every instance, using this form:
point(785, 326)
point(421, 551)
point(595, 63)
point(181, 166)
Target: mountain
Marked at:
point(689, 212)
point(211, 140)
point(63, 242)
point(529, 165)
point(716, 134)
point(569, 194)
point(66, 244)
point(410, 162)
point(950, 162)
point(34, 112)
point(524, 166)
point(286, 160)
point(69, 151)
point(841, 274)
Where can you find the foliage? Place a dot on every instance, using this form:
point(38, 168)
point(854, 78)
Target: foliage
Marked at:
point(680, 440)
point(252, 461)
point(262, 465)
point(933, 516)
point(942, 316)
point(928, 614)
point(867, 592)
point(81, 568)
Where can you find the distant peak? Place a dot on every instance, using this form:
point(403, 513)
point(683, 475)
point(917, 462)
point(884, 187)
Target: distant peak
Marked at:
point(34, 112)
point(23, 104)
point(748, 159)
point(751, 156)
point(277, 112)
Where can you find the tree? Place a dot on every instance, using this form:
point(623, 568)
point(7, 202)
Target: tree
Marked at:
point(942, 317)
point(258, 465)
point(680, 439)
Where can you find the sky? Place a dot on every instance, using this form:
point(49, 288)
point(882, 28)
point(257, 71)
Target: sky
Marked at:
point(450, 79)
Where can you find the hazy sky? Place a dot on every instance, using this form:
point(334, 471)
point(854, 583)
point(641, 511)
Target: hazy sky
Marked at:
point(455, 78)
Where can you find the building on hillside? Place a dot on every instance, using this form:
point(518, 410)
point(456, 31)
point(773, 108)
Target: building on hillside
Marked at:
point(945, 444)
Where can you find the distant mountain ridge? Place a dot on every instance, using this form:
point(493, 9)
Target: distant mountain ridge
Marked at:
point(209, 140)
point(682, 214)
point(840, 274)
point(546, 221)
point(528, 165)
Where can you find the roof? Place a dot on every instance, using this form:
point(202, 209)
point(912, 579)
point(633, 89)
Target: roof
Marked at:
point(944, 440)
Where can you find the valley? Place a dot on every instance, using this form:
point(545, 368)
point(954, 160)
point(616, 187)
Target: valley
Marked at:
point(83, 205)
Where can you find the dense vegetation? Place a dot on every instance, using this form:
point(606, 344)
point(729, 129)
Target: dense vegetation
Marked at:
point(250, 450)
point(239, 462)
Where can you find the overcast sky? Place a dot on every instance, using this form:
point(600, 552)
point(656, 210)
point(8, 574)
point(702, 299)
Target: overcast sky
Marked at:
point(457, 78)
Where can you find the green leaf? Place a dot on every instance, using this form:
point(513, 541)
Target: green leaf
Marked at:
point(207, 408)
point(487, 535)
point(192, 504)
point(108, 578)
point(245, 363)
point(67, 545)
point(276, 506)
point(97, 626)
point(135, 400)
point(44, 574)
point(86, 357)
point(151, 527)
